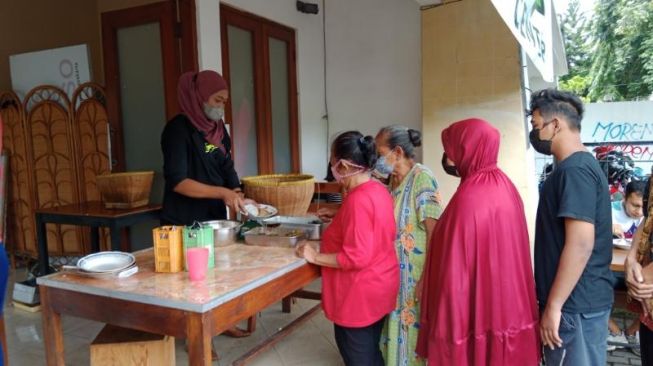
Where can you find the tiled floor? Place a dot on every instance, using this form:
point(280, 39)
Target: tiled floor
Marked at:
point(622, 357)
point(312, 344)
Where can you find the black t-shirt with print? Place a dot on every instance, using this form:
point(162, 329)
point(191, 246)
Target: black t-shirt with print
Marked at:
point(186, 154)
point(576, 189)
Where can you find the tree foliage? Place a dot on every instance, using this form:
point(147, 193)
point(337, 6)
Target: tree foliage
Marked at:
point(611, 58)
point(575, 34)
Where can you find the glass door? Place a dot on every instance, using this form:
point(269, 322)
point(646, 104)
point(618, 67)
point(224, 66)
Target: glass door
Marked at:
point(243, 121)
point(282, 100)
point(143, 60)
point(259, 63)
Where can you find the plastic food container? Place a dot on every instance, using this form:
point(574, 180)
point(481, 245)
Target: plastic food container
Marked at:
point(273, 237)
point(311, 226)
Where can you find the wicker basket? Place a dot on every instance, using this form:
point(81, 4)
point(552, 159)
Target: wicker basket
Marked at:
point(125, 190)
point(291, 194)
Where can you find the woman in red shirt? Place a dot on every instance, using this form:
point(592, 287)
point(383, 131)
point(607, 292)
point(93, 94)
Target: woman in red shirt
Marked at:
point(360, 273)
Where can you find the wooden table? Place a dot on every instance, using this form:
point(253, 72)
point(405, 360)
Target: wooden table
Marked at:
point(618, 259)
point(246, 280)
point(92, 214)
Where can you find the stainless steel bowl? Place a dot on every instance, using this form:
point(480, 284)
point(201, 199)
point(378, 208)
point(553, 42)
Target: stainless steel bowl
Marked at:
point(225, 232)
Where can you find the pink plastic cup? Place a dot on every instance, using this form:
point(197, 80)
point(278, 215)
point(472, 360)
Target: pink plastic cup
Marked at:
point(198, 261)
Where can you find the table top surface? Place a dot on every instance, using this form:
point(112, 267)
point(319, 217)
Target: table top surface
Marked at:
point(96, 209)
point(239, 268)
point(618, 259)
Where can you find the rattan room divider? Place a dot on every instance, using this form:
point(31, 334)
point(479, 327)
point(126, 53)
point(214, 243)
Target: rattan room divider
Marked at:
point(56, 146)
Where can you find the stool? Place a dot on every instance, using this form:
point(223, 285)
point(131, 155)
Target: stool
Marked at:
point(116, 346)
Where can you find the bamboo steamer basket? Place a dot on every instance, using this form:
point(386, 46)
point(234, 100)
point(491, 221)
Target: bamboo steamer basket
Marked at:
point(291, 194)
point(125, 190)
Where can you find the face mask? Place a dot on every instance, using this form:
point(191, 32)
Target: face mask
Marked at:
point(541, 146)
point(213, 113)
point(340, 177)
point(383, 167)
point(449, 169)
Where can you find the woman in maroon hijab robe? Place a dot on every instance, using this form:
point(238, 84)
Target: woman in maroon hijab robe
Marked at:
point(478, 304)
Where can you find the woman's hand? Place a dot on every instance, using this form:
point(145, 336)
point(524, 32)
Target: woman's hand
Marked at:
point(232, 199)
point(326, 214)
point(637, 289)
point(306, 251)
point(249, 201)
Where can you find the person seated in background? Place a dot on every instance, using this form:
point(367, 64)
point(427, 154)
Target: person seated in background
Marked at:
point(627, 215)
point(331, 197)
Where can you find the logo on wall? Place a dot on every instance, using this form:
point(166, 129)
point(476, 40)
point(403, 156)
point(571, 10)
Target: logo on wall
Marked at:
point(69, 73)
point(65, 67)
point(530, 21)
point(524, 12)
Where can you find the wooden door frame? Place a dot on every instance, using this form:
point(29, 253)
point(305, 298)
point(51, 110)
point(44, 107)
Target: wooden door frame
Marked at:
point(286, 35)
point(237, 18)
point(262, 29)
point(188, 37)
point(174, 60)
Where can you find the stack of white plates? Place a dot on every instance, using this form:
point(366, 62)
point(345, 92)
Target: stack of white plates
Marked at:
point(100, 264)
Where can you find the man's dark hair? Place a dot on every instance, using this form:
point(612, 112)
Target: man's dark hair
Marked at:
point(635, 187)
point(553, 102)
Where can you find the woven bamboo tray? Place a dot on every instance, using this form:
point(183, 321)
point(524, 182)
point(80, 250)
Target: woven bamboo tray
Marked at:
point(291, 194)
point(125, 190)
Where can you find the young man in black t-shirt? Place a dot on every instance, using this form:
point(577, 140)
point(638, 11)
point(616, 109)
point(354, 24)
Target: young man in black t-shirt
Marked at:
point(573, 237)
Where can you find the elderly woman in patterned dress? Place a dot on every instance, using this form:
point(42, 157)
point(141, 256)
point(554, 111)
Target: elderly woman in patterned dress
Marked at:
point(416, 207)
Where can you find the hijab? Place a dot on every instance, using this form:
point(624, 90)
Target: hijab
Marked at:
point(193, 91)
point(473, 145)
point(481, 238)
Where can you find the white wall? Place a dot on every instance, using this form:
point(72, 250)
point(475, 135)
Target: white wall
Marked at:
point(471, 68)
point(535, 80)
point(373, 65)
point(208, 34)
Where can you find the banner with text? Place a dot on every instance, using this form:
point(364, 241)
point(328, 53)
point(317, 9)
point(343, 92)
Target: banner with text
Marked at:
point(624, 122)
point(531, 22)
point(65, 67)
point(621, 126)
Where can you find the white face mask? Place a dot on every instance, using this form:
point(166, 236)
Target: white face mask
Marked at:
point(213, 113)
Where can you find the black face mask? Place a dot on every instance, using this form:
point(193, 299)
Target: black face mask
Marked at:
point(541, 146)
point(449, 169)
